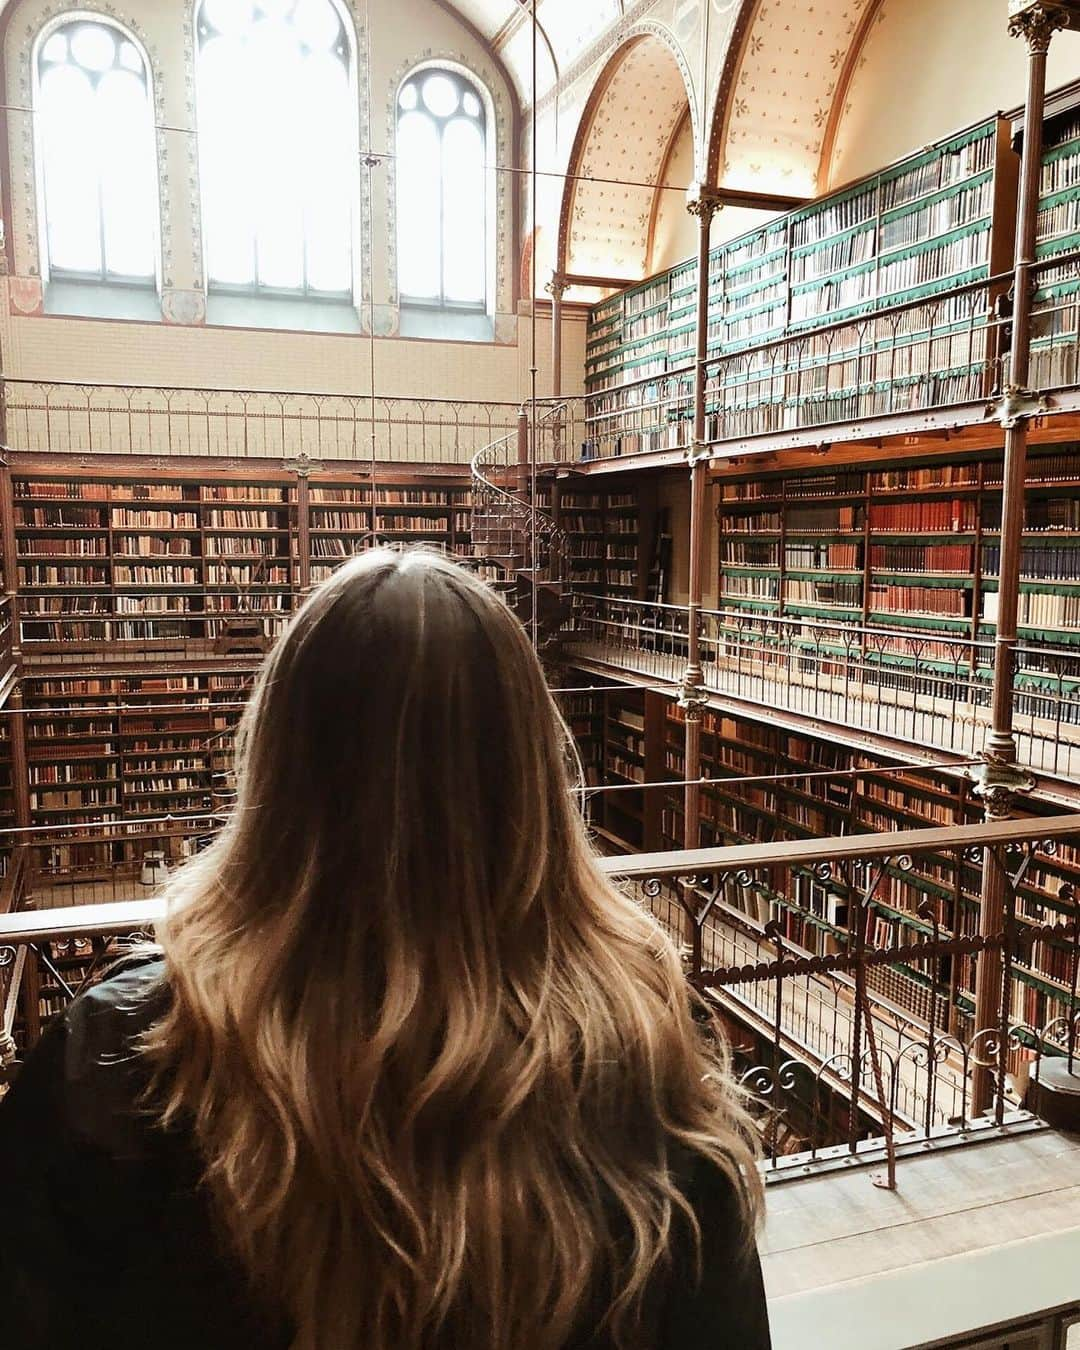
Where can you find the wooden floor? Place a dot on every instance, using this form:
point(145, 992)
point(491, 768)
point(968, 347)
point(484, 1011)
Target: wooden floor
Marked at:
point(975, 1236)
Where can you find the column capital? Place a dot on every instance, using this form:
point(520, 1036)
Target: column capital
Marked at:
point(557, 286)
point(693, 696)
point(999, 784)
point(1036, 21)
point(703, 201)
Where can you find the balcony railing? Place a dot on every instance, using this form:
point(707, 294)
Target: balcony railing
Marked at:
point(923, 357)
point(811, 1030)
point(58, 416)
point(906, 685)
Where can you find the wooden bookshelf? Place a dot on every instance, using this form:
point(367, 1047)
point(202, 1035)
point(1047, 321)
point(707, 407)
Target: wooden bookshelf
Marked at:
point(918, 231)
point(1054, 320)
point(139, 553)
point(604, 529)
point(642, 737)
point(913, 547)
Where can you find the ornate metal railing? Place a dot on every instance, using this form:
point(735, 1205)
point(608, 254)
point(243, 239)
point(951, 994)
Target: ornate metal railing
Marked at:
point(73, 418)
point(836, 1067)
point(909, 685)
point(942, 352)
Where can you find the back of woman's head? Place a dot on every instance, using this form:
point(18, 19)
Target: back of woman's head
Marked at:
point(433, 1062)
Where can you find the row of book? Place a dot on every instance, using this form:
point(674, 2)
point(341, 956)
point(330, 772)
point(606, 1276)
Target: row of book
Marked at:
point(1061, 173)
point(78, 546)
point(241, 518)
point(88, 772)
point(922, 558)
point(847, 594)
point(59, 517)
point(941, 171)
point(961, 254)
point(755, 588)
point(960, 208)
point(945, 600)
point(155, 545)
point(848, 251)
point(1039, 564)
point(1036, 610)
point(936, 515)
point(1060, 218)
point(838, 557)
point(748, 553)
point(160, 520)
point(929, 475)
point(839, 293)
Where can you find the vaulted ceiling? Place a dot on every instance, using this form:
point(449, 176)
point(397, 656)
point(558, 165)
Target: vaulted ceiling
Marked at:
point(567, 27)
point(623, 145)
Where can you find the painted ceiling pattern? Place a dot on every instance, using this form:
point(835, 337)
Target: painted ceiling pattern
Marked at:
point(628, 140)
point(793, 61)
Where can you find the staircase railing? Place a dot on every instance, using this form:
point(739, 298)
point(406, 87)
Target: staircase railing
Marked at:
point(511, 532)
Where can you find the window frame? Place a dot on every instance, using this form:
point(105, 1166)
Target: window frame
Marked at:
point(306, 295)
point(463, 76)
point(103, 278)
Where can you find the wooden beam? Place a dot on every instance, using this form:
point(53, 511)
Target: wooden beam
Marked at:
point(599, 283)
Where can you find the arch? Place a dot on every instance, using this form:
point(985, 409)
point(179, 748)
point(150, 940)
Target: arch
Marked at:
point(326, 211)
point(625, 131)
point(471, 82)
point(722, 103)
point(777, 92)
point(146, 143)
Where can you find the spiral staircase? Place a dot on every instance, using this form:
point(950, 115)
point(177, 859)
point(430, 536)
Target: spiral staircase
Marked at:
point(517, 546)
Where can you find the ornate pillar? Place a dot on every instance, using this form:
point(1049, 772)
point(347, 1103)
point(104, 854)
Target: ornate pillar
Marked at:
point(999, 778)
point(703, 203)
point(556, 288)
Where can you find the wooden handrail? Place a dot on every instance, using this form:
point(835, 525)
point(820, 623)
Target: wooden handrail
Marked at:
point(125, 916)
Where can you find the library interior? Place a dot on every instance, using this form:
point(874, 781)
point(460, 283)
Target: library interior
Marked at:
point(735, 345)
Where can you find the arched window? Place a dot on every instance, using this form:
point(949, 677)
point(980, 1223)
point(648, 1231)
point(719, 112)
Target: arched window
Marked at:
point(442, 183)
point(98, 166)
point(278, 152)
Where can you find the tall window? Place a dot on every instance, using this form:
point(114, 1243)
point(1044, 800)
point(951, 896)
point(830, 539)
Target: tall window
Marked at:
point(442, 190)
point(278, 150)
point(95, 137)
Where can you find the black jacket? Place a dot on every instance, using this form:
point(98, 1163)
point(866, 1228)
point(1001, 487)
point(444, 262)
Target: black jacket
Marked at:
point(107, 1243)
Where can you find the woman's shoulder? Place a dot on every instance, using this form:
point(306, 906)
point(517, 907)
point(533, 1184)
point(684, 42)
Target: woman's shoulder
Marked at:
point(712, 1185)
point(111, 1013)
point(96, 1046)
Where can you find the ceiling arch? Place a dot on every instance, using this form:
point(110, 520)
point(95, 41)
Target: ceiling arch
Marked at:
point(624, 137)
point(785, 66)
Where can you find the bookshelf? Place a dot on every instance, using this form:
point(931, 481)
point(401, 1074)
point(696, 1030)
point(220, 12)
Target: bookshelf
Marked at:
point(912, 235)
point(1054, 320)
point(118, 746)
point(643, 740)
point(348, 518)
point(604, 530)
point(115, 559)
point(138, 554)
point(911, 548)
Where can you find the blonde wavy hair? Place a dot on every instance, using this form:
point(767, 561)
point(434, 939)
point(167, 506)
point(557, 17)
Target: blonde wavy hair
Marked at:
point(436, 1065)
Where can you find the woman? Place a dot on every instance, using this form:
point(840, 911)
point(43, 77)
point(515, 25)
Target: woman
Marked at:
point(407, 1071)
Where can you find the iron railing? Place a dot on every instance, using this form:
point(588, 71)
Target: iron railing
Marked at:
point(909, 685)
point(943, 351)
point(835, 1067)
point(84, 418)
